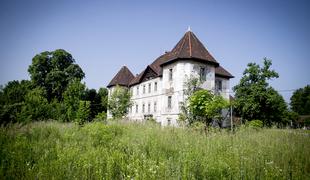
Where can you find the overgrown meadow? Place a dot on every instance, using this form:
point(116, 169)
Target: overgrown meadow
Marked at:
point(52, 150)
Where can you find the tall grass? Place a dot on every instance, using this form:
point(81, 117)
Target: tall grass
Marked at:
point(51, 150)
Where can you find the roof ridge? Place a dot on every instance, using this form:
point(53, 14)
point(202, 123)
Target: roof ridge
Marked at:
point(190, 44)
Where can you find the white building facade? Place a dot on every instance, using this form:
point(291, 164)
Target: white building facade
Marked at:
point(158, 91)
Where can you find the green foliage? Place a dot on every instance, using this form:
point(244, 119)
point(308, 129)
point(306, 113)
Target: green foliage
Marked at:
point(191, 85)
point(12, 97)
point(83, 113)
point(206, 106)
point(15, 92)
point(53, 71)
point(51, 150)
point(71, 98)
point(255, 124)
point(36, 106)
point(300, 101)
point(119, 102)
point(255, 99)
point(96, 100)
point(101, 117)
point(54, 91)
point(103, 94)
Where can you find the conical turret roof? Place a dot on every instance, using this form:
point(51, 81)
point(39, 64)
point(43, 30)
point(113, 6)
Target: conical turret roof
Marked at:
point(189, 47)
point(122, 78)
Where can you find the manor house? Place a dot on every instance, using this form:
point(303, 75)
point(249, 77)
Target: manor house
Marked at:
point(159, 89)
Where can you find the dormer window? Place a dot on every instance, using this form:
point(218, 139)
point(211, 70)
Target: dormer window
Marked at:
point(202, 74)
point(170, 74)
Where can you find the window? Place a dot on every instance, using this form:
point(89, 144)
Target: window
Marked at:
point(149, 87)
point(218, 85)
point(170, 74)
point(149, 108)
point(155, 108)
point(137, 90)
point(168, 121)
point(155, 86)
point(202, 73)
point(137, 110)
point(169, 102)
point(143, 108)
point(143, 89)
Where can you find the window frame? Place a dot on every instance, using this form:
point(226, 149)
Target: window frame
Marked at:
point(155, 86)
point(169, 103)
point(202, 73)
point(170, 74)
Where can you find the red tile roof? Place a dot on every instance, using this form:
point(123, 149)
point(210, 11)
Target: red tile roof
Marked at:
point(122, 78)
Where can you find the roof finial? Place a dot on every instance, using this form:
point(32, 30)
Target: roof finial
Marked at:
point(189, 28)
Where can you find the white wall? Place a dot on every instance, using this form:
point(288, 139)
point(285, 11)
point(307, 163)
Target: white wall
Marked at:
point(182, 70)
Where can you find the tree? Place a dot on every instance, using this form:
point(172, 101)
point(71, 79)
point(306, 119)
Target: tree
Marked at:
point(15, 91)
point(95, 99)
point(36, 106)
point(255, 99)
point(12, 98)
point(191, 85)
point(83, 113)
point(53, 71)
point(300, 101)
point(103, 93)
point(206, 106)
point(119, 102)
point(72, 96)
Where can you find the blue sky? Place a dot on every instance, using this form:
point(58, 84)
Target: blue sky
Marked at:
point(103, 35)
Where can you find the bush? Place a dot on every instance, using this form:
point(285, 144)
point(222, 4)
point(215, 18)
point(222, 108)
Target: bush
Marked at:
point(83, 113)
point(255, 124)
point(101, 116)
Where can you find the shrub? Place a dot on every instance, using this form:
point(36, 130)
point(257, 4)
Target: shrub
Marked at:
point(101, 116)
point(255, 124)
point(83, 113)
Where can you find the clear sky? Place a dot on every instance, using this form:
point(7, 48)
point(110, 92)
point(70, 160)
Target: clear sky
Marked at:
point(103, 35)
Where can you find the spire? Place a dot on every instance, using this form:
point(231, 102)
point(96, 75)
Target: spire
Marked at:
point(189, 28)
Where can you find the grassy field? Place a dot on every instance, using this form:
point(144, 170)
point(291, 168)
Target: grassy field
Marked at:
point(52, 150)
